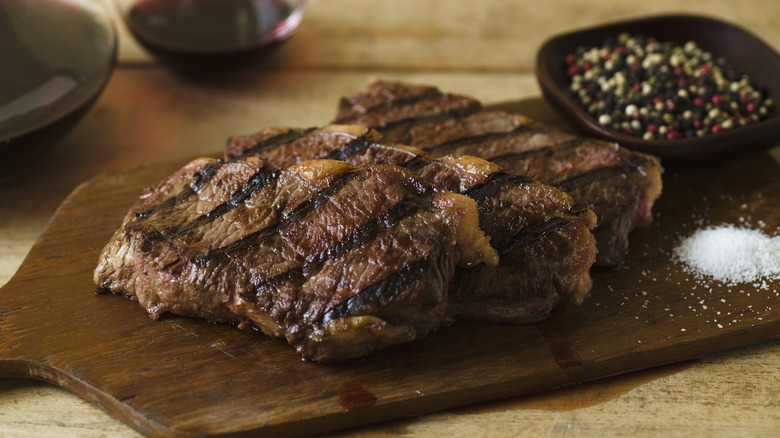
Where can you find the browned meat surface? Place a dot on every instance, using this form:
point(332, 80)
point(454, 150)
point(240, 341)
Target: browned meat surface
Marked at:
point(391, 104)
point(287, 146)
point(619, 185)
point(543, 239)
point(339, 260)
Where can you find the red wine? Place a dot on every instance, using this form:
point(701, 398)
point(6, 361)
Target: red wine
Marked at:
point(210, 33)
point(57, 57)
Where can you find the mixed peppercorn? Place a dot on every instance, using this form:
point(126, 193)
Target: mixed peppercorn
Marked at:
point(663, 90)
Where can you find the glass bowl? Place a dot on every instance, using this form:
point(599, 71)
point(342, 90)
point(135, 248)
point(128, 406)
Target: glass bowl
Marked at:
point(57, 57)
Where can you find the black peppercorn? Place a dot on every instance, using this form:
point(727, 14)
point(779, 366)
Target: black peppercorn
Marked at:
point(663, 90)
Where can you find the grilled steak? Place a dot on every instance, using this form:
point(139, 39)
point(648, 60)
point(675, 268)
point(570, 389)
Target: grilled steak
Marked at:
point(543, 239)
point(619, 185)
point(339, 260)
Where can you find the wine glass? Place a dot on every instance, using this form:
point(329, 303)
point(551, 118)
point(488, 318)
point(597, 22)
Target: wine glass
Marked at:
point(207, 34)
point(57, 56)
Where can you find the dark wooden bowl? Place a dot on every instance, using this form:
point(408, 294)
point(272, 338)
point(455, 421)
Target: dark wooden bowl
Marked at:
point(737, 46)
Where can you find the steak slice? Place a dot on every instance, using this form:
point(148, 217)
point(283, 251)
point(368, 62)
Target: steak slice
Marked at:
point(619, 185)
point(339, 260)
point(543, 238)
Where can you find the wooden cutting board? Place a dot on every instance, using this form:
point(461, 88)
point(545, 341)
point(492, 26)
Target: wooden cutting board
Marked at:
point(181, 376)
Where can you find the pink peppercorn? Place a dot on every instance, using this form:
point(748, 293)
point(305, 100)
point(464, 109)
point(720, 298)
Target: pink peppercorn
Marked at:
point(666, 101)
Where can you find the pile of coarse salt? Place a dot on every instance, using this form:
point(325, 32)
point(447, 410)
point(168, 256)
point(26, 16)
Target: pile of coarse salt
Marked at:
point(731, 254)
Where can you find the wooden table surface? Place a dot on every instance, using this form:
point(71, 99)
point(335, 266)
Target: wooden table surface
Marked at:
point(485, 49)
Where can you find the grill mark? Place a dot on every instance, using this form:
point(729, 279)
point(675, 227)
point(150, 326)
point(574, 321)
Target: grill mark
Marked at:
point(199, 181)
point(296, 215)
point(261, 179)
point(491, 189)
point(417, 163)
point(321, 198)
point(493, 185)
point(242, 243)
point(429, 93)
point(368, 231)
point(270, 284)
point(591, 176)
point(361, 144)
point(357, 145)
point(410, 122)
point(357, 238)
point(481, 138)
point(148, 240)
point(578, 209)
point(274, 142)
point(531, 235)
point(397, 280)
point(544, 151)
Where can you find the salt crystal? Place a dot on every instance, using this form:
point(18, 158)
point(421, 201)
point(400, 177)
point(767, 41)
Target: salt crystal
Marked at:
point(731, 254)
